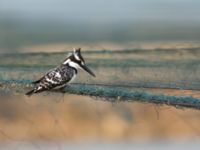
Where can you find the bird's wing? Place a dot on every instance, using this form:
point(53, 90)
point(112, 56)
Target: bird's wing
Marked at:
point(43, 77)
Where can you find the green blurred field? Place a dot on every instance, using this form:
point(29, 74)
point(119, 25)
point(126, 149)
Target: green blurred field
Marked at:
point(145, 48)
point(54, 117)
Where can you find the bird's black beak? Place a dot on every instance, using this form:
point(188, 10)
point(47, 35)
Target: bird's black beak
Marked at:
point(88, 70)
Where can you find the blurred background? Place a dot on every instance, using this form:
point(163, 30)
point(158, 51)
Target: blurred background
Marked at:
point(163, 39)
point(50, 25)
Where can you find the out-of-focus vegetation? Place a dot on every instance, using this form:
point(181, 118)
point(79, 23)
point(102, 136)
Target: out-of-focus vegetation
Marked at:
point(146, 46)
point(15, 35)
point(75, 117)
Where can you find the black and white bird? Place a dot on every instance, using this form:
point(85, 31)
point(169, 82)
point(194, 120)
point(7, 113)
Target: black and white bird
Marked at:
point(62, 75)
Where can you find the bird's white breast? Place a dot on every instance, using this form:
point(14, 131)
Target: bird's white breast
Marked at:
point(72, 79)
point(61, 86)
point(73, 64)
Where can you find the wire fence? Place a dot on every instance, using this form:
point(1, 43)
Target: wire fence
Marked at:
point(128, 75)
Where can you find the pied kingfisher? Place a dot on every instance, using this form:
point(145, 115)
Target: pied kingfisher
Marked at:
point(60, 76)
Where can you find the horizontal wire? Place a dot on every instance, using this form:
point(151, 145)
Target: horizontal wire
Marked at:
point(138, 86)
point(113, 93)
point(153, 85)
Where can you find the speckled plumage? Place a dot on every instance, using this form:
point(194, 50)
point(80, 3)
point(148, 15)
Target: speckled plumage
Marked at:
point(60, 76)
point(57, 77)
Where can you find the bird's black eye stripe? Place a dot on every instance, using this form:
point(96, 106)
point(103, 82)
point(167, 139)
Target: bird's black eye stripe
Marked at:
point(75, 60)
point(81, 58)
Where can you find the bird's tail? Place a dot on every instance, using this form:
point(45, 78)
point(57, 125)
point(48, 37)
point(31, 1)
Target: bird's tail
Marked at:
point(30, 92)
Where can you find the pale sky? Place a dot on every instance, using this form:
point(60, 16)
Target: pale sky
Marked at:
point(102, 10)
